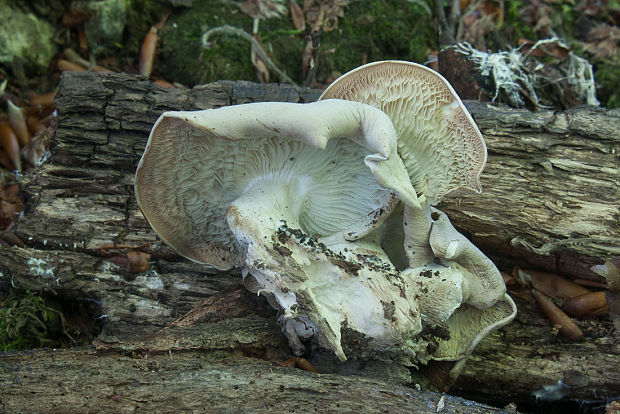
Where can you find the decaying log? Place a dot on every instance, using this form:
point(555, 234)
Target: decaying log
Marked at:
point(551, 191)
point(551, 188)
point(77, 381)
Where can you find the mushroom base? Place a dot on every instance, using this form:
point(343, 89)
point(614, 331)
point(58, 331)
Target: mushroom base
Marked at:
point(346, 295)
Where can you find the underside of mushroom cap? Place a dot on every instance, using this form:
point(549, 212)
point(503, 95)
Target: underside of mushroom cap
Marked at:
point(196, 163)
point(439, 292)
point(438, 140)
point(468, 325)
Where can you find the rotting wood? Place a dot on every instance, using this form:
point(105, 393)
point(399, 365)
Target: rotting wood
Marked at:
point(78, 381)
point(551, 188)
point(551, 183)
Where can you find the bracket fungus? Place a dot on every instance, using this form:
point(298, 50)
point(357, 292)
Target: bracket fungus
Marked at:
point(266, 186)
point(298, 196)
point(292, 156)
point(444, 153)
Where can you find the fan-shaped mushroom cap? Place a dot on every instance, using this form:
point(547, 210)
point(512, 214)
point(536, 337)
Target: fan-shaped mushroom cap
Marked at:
point(196, 163)
point(438, 140)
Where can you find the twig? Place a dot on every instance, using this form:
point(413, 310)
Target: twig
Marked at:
point(314, 57)
point(234, 31)
point(454, 17)
point(446, 36)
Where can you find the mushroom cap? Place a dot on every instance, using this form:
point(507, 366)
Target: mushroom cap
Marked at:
point(440, 144)
point(468, 325)
point(196, 163)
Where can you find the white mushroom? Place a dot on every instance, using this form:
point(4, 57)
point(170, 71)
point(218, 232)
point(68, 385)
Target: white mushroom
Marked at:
point(196, 163)
point(293, 193)
point(438, 140)
point(444, 152)
point(267, 186)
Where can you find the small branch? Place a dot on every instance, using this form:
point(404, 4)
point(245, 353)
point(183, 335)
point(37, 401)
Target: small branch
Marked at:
point(446, 35)
point(314, 57)
point(234, 31)
point(455, 16)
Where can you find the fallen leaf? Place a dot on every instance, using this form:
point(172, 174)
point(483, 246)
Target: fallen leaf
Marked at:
point(299, 20)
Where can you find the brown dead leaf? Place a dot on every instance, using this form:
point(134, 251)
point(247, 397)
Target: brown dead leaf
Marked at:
point(133, 261)
point(495, 9)
point(262, 71)
point(10, 144)
point(323, 14)
point(43, 130)
point(602, 42)
point(537, 14)
point(11, 205)
point(566, 326)
point(263, 9)
point(475, 27)
point(147, 51)
point(299, 21)
point(478, 20)
point(593, 8)
point(544, 49)
point(138, 261)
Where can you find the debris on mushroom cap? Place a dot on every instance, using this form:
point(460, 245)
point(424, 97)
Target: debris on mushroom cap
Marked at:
point(438, 140)
point(196, 163)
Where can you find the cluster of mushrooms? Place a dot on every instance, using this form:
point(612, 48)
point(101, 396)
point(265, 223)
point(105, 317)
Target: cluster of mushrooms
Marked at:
point(328, 209)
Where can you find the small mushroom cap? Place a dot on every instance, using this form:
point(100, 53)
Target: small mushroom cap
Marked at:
point(440, 144)
point(468, 325)
point(335, 160)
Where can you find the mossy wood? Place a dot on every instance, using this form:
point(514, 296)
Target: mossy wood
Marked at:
point(551, 186)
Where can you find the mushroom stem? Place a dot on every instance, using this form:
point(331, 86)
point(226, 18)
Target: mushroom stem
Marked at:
point(417, 224)
point(264, 206)
point(483, 285)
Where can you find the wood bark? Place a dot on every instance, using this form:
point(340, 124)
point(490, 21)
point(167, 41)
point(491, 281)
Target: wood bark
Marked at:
point(551, 191)
point(198, 382)
point(551, 188)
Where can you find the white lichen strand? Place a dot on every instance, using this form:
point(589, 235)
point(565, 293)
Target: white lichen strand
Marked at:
point(40, 267)
point(511, 73)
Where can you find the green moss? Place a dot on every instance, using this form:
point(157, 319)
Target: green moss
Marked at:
point(27, 37)
point(30, 321)
point(25, 322)
point(608, 82)
point(378, 29)
point(182, 56)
